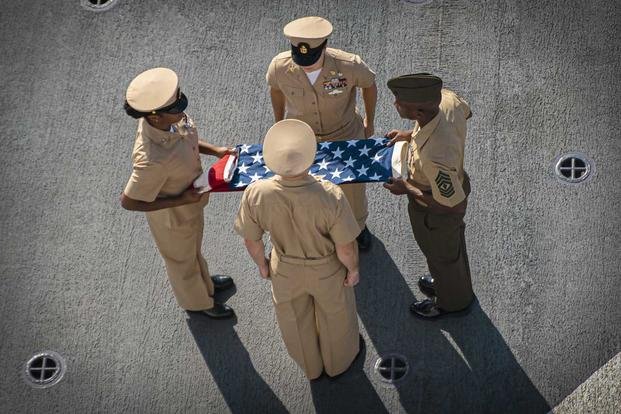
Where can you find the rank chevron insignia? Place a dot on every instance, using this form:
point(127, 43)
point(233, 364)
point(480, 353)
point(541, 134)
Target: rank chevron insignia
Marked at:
point(445, 185)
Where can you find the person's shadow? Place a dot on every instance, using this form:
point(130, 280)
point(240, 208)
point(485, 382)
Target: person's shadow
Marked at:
point(455, 364)
point(232, 370)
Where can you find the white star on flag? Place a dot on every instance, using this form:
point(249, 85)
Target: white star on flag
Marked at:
point(364, 151)
point(243, 168)
point(377, 158)
point(266, 169)
point(323, 165)
point(349, 162)
point(362, 170)
point(375, 177)
point(257, 157)
point(240, 184)
point(324, 145)
point(348, 178)
point(255, 177)
point(352, 143)
point(244, 149)
point(336, 173)
point(379, 140)
point(337, 153)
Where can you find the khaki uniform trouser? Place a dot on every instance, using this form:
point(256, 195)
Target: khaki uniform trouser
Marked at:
point(316, 313)
point(180, 247)
point(441, 239)
point(355, 193)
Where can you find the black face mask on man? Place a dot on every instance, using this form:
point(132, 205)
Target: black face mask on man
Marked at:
point(304, 55)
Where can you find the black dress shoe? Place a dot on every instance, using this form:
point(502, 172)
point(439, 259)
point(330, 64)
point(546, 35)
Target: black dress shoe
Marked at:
point(219, 311)
point(427, 309)
point(221, 282)
point(364, 239)
point(425, 284)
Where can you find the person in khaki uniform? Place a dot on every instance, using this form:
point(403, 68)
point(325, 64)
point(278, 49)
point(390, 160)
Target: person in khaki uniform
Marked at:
point(165, 162)
point(437, 188)
point(314, 259)
point(318, 85)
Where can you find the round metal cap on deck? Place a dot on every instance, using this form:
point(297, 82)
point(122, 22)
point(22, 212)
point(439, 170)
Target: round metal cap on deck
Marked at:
point(98, 5)
point(573, 168)
point(44, 369)
point(392, 368)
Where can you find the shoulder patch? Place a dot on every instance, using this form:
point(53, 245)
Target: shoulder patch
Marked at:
point(445, 185)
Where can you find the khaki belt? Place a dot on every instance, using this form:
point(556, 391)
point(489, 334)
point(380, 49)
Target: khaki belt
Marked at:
point(307, 262)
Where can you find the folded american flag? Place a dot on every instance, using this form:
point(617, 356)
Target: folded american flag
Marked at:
point(341, 162)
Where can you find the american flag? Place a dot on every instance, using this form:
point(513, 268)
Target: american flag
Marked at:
point(341, 162)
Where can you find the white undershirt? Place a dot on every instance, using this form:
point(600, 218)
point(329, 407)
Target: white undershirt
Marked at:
point(312, 76)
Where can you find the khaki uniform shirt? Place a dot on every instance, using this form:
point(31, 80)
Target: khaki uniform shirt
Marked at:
point(436, 151)
point(305, 218)
point(329, 105)
point(164, 165)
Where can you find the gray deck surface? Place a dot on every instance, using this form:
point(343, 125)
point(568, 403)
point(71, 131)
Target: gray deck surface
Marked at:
point(600, 393)
point(82, 277)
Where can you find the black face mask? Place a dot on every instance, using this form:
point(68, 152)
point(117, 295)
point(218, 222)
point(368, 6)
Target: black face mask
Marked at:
point(303, 55)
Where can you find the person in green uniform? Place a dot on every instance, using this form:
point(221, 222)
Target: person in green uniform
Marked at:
point(437, 188)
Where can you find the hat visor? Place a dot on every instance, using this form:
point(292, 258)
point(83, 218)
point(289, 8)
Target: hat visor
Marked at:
point(177, 107)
